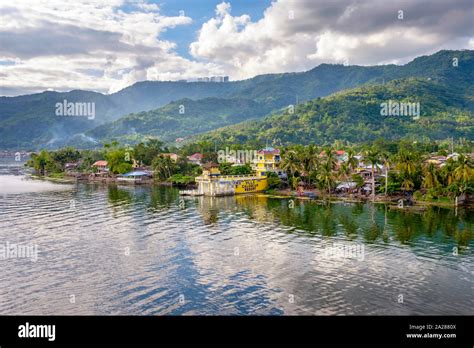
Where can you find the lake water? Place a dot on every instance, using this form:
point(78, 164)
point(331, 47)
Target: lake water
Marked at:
point(97, 249)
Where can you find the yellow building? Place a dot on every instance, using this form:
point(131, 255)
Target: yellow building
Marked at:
point(212, 183)
point(268, 160)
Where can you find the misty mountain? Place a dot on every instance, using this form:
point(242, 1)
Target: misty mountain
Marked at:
point(180, 119)
point(29, 122)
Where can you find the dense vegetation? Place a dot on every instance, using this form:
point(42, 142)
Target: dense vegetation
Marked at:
point(404, 167)
point(151, 154)
point(397, 167)
point(180, 119)
point(355, 116)
point(29, 122)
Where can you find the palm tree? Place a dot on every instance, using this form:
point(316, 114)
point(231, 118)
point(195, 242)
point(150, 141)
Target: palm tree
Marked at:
point(372, 156)
point(386, 159)
point(344, 171)
point(406, 165)
point(352, 161)
point(406, 162)
point(325, 177)
point(448, 172)
point(463, 171)
point(309, 160)
point(291, 162)
point(163, 166)
point(430, 176)
point(330, 158)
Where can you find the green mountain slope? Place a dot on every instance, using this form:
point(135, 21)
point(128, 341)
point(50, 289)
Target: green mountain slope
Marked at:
point(181, 119)
point(355, 116)
point(29, 122)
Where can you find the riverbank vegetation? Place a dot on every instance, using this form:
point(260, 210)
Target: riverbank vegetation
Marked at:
point(423, 171)
point(426, 171)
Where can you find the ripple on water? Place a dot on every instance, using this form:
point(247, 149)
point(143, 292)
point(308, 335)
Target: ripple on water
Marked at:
point(135, 251)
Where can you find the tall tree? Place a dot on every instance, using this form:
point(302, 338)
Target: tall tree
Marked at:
point(430, 176)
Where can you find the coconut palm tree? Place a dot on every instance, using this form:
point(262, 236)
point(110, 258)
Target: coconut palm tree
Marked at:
point(291, 162)
point(447, 172)
point(343, 172)
point(163, 166)
point(352, 161)
point(430, 176)
point(329, 160)
point(463, 172)
point(309, 160)
point(326, 178)
point(406, 165)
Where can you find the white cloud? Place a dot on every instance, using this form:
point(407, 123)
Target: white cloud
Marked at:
point(296, 35)
point(56, 44)
point(98, 45)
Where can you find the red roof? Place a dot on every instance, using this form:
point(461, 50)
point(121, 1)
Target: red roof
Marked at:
point(196, 157)
point(100, 164)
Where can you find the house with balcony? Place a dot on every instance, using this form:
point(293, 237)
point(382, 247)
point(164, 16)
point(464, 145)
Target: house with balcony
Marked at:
point(268, 160)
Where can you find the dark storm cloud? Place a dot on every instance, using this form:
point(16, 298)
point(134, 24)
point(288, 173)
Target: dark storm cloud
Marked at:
point(51, 39)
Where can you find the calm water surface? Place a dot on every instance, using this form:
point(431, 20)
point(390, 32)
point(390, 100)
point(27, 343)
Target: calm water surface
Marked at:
point(137, 250)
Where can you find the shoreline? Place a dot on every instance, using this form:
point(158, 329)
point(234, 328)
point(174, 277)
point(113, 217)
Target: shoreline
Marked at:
point(392, 201)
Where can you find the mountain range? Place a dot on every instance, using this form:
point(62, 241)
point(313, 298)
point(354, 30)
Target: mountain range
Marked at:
point(331, 102)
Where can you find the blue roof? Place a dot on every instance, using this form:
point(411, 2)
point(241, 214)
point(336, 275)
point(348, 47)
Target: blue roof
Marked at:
point(137, 173)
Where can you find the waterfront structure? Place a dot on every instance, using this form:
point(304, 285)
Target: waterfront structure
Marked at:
point(135, 177)
point(212, 183)
point(268, 160)
point(102, 166)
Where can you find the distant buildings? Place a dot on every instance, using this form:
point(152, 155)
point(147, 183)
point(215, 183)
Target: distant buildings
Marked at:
point(440, 161)
point(211, 79)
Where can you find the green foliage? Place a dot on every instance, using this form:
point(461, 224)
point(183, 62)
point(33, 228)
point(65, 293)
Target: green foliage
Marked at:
point(274, 182)
point(358, 180)
point(354, 116)
point(43, 163)
point(229, 169)
point(164, 167)
point(180, 179)
point(145, 152)
point(181, 118)
point(446, 101)
point(119, 160)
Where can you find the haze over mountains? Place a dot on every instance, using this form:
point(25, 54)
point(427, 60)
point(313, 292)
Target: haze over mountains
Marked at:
point(252, 110)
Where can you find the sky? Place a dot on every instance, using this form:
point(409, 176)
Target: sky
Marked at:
point(107, 45)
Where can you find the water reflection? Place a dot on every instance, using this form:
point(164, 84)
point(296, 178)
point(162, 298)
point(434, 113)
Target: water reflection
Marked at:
point(353, 220)
point(229, 255)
